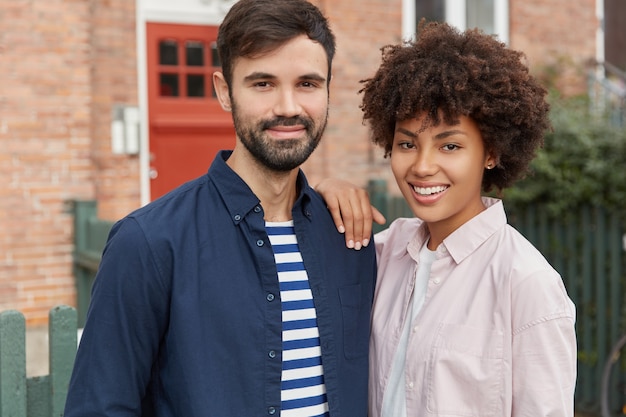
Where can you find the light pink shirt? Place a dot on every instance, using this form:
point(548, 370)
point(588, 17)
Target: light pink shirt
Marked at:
point(495, 336)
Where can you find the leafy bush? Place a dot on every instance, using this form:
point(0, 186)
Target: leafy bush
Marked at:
point(583, 162)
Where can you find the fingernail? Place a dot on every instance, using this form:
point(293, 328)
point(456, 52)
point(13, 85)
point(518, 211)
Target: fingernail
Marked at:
point(341, 229)
point(366, 242)
point(351, 244)
point(357, 246)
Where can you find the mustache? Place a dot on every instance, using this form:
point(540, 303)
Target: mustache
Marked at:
point(287, 121)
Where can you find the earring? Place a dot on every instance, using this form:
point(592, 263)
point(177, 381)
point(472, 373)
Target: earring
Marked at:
point(489, 165)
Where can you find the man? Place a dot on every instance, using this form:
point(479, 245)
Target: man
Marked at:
point(234, 295)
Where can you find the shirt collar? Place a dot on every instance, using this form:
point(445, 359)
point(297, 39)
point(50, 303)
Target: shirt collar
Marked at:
point(237, 195)
point(464, 240)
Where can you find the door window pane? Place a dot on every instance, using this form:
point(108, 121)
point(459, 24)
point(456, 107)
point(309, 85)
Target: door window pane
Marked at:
point(195, 53)
point(168, 86)
point(168, 52)
point(195, 85)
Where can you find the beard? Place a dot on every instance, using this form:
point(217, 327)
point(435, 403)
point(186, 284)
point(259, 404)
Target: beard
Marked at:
point(279, 155)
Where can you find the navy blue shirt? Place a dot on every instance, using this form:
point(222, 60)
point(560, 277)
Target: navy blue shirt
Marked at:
point(185, 316)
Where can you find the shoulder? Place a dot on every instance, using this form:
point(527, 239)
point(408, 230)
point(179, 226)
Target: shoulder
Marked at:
point(315, 219)
point(517, 251)
point(179, 200)
point(167, 219)
point(537, 289)
point(398, 235)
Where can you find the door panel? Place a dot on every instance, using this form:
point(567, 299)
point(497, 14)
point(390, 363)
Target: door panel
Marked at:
point(187, 126)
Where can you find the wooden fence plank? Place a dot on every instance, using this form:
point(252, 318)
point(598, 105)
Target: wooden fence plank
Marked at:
point(557, 241)
point(617, 289)
point(572, 269)
point(587, 317)
point(12, 364)
point(600, 282)
point(62, 336)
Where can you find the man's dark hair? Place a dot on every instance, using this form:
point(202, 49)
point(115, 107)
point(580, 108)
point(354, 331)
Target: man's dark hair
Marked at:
point(254, 27)
point(445, 74)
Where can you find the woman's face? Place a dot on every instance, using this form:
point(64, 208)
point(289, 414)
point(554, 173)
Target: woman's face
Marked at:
point(439, 171)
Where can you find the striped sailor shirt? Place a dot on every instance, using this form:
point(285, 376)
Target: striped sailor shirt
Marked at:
point(303, 392)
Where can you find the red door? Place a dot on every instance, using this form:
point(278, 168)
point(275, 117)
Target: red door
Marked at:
point(187, 126)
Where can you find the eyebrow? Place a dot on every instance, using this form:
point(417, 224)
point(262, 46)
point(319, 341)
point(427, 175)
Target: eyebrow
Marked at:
point(406, 132)
point(439, 136)
point(267, 76)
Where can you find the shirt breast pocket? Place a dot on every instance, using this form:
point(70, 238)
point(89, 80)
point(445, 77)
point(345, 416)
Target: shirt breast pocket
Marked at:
point(356, 315)
point(465, 372)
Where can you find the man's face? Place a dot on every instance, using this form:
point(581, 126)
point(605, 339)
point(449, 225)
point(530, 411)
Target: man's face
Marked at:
point(279, 102)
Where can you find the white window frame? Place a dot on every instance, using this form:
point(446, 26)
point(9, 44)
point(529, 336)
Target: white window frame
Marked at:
point(456, 15)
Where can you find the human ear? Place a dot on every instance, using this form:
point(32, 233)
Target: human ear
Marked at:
point(491, 161)
point(222, 90)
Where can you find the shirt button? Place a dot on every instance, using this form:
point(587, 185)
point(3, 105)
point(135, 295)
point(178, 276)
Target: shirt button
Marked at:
point(436, 280)
point(271, 410)
point(260, 243)
point(415, 329)
point(237, 217)
point(257, 209)
point(410, 385)
point(270, 297)
point(272, 354)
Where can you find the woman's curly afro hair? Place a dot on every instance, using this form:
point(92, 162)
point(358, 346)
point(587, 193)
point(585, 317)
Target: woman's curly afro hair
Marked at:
point(446, 74)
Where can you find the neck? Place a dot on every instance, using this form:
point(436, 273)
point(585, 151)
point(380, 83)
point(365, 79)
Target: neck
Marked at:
point(440, 230)
point(276, 190)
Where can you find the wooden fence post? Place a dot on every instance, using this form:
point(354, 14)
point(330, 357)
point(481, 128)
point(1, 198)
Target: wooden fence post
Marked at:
point(377, 190)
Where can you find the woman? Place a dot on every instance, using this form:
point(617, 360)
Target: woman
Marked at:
point(469, 318)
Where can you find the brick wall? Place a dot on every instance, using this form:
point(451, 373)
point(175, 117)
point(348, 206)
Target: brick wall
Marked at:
point(45, 94)
point(114, 81)
point(361, 29)
point(63, 63)
point(558, 35)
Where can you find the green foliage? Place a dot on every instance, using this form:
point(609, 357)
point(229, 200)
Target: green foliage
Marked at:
point(583, 162)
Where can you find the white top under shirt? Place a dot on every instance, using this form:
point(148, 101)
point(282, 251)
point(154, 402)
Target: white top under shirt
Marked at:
point(394, 401)
point(303, 391)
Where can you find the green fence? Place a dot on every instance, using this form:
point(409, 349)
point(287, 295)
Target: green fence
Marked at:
point(42, 396)
point(587, 248)
point(90, 235)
